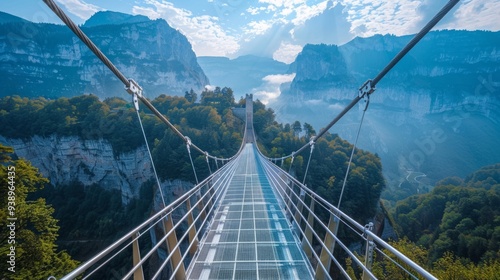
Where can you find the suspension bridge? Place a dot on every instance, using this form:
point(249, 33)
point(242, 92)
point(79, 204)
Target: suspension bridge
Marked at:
point(250, 219)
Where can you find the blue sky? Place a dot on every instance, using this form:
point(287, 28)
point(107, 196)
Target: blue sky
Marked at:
point(275, 28)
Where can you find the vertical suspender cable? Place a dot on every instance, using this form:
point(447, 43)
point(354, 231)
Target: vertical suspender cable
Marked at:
point(136, 105)
point(308, 162)
point(191, 159)
point(352, 152)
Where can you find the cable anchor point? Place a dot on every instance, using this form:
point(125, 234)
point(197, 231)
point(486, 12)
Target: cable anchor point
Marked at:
point(311, 142)
point(188, 143)
point(366, 89)
point(133, 88)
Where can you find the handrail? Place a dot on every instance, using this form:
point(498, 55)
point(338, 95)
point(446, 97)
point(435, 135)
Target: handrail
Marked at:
point(146, 224)
point(279, 180)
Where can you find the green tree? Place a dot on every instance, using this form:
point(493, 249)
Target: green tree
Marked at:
point(191, 96)
point(32, 236)
point(297, 128)
point(462, 217)
point(309, 130)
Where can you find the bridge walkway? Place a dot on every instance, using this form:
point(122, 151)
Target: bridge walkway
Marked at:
point(249, 237)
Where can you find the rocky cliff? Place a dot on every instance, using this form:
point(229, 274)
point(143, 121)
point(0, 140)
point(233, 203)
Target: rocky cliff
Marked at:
point(64, 160)
point(436, 112)
point(48, 60)
point(447, 66)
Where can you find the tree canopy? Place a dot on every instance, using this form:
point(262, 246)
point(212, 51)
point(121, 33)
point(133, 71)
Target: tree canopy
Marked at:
point(210, 125)
point(457, 216)
point(328, 163)
point(31, 233)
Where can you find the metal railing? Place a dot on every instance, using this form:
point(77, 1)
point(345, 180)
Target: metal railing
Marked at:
point(180, 225)
point(316, 223)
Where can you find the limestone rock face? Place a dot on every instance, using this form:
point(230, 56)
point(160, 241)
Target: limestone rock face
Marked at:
point(68, 159)
point(49, 60)
point(436, 112)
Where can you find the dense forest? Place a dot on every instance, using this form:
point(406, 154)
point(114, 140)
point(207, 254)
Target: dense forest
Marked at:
point(456, 224)
point(459, 216)
point(211, 125)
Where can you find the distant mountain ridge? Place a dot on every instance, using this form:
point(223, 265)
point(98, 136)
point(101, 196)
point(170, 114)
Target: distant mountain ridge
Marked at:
point(50, 61)
point(5, 17)
point(448, 85)
point(442, 61)
point(113, 18)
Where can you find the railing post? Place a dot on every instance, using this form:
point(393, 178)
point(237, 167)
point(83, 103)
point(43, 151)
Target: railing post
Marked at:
point(329, 243)
point(369, 251)
point(136, 258)
point(289, 192)
point(203, 213)
point(176, 259)
point(300, 205)
point(307, 240)
point(193, 239)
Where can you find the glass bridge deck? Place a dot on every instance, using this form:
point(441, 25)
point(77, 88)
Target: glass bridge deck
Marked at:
point(249, 237)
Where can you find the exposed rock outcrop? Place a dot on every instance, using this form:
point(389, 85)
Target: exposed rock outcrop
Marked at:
point(69, 159)
point(48, 60)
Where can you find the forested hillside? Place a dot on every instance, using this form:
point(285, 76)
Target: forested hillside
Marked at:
point(212, 127)
point(209, 123)
point(456, 225)
point(458, 216)
point(90, 217)
point(454, 230)
point(328, 163)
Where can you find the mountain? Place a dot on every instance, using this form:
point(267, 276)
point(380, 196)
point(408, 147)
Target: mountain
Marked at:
point(434, 115)
point(243, 74)
point(5, 18)
point(48, 60)
point(113, 18)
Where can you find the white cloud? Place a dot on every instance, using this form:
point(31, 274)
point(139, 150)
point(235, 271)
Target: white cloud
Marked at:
point(278, 79)
point(336, 106)
point(80, 8)
point(283, 37)
point(277, 3)
point(402, 17)
point(369, 17)
point(330, 27)
point(477, 14)
point(314, 101)
point(305, 12)
point(210, 87)
point(270, 88)
point(204, 32)
point(258, 27)
point(254, 10)
point(265, 43)
point(287, 52)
